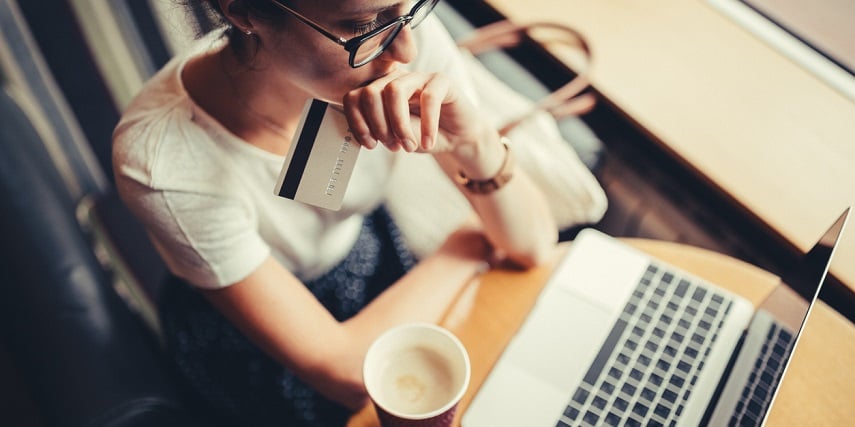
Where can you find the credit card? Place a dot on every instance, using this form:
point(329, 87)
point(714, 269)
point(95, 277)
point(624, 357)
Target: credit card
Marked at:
point(320, 162)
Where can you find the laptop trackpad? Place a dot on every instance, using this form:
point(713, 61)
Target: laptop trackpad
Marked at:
point(566, 334)
point(543, 363)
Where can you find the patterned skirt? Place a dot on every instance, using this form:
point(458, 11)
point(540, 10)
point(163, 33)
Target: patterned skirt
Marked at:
point(234, 379)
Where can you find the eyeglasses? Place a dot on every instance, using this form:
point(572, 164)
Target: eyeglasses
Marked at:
point(364, 48)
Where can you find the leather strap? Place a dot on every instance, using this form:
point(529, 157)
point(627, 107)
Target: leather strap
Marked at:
point(487, 186)
point(569, 99)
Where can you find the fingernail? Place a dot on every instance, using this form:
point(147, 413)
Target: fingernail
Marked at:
point(368, 140)
point(410, 144)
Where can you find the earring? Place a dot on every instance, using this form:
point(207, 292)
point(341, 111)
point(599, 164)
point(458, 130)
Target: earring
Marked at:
point(248, 32)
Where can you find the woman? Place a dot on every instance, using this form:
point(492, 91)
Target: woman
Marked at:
point(274, 302)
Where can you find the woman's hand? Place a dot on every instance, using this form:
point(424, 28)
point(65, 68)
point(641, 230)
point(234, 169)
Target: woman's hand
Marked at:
point(384, 111)
point(516, 219)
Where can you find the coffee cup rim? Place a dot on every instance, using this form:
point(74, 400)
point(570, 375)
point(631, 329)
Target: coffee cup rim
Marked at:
point(451, 402)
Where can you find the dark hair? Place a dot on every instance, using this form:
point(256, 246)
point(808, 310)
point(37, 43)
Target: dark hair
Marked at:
point(208, 17)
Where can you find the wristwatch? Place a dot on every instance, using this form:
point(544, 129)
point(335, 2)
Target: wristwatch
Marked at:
point(487, 186)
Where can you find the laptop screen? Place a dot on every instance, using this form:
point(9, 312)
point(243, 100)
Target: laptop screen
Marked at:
point(790, 305)
point(808, 275)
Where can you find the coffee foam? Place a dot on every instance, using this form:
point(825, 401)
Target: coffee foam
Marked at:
point(416, 381)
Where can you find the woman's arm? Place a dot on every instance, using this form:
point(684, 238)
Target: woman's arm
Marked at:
point(515, 218)
point(277, 312)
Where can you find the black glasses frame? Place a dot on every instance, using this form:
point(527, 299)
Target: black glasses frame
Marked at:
point(352, 45)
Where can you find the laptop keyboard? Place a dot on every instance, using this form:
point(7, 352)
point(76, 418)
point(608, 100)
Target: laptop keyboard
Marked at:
point(651, 359)
point(765, 375)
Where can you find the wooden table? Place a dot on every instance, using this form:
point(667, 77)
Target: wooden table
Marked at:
point(818, 390)
point(745, 118)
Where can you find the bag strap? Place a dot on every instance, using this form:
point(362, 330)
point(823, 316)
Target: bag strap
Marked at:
point(568, 100)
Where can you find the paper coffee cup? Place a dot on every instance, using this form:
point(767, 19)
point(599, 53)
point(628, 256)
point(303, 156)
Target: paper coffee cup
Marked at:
point(415, 375)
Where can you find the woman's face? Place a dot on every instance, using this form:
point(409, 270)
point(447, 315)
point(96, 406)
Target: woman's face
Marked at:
point(318, 65)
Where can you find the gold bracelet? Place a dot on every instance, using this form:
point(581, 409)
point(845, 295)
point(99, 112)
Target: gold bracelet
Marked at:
point(487, 186)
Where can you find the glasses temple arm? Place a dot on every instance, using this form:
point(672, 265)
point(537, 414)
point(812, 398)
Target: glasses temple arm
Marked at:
point(311, 23)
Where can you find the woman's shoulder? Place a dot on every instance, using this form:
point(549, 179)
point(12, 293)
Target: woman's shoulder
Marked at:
point(159, 124)
point(156, 115)
point(163, 98)
point(160, 145)
point(158, 102)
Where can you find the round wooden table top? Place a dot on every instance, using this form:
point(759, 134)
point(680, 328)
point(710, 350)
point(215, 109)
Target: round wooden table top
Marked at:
point(489, 311)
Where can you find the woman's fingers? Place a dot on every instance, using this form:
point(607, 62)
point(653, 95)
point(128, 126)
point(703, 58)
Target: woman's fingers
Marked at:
point(363, 109)
point(396, 102)
point(365, 114)
point(383, 110)
point(432, 96)
point(358, 126)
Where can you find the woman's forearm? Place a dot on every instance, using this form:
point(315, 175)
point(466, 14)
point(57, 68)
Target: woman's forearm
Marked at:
point(515, 217)
point(280, 315)
point(517, 220)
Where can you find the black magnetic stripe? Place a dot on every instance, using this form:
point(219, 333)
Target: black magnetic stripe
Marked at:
point(294, 174)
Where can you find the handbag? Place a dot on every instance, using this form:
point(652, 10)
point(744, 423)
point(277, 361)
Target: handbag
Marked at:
point(569, 99)
point(427, 206)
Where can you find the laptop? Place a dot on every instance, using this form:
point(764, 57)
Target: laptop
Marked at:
point(618, 338)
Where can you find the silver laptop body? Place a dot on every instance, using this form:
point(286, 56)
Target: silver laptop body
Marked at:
point(619, 338)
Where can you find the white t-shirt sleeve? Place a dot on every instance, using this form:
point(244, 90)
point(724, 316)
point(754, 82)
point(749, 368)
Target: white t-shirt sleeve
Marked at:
point(207, 239)
point(172, 180)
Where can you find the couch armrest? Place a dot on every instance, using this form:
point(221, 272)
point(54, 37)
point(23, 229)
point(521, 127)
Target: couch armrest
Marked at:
point(87, 358)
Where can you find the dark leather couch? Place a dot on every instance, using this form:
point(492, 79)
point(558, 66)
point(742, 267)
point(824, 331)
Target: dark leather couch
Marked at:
point(86, 357)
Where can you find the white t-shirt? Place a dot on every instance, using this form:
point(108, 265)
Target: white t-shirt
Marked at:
point(206, 197)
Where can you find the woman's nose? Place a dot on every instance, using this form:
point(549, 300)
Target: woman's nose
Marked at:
point(403, 49)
